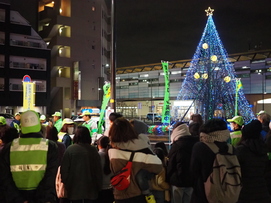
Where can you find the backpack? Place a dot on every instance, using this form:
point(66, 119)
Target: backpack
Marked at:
point(224, 183)
point(121, 180)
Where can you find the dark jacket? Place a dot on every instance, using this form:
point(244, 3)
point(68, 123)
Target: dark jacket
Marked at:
point(253, 161)
point(178, 170)
point(81, 172)
point(46, 190)
point(201, 167)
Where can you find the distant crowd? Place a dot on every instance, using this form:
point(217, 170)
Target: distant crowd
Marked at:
point(60, 162)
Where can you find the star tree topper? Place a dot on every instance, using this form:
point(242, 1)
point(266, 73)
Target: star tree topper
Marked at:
point(209, 11)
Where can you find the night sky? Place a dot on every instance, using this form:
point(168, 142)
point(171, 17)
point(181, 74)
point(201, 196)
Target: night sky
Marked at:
point(149, 31)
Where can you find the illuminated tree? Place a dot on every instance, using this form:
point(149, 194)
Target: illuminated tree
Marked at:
point(211, 80)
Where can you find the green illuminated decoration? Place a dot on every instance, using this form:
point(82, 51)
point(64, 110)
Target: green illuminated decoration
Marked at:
point(106, 98)
point(166, 110)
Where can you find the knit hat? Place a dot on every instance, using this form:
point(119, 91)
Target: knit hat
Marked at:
point(237, 119)
point(252, 130)
point(57, 113)
point(140, 127)
point(30, 122)
point(3, 120)
point(179, 131)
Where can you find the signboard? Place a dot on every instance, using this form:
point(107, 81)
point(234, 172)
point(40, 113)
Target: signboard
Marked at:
point(28, 93)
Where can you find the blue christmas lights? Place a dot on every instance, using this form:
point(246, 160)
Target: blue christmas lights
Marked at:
point(211, 80)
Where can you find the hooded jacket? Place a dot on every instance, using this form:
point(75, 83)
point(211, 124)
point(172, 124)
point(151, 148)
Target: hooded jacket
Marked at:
point(143, 159)
point(252, 156)
point(178, 170)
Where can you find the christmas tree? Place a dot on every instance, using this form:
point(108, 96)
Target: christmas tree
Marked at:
point(211, 80)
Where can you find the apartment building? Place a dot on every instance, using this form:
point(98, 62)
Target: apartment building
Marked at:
point(22, 52)
point(78, 34)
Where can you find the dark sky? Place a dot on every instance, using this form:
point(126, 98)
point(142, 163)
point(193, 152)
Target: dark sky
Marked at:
point(149, 31)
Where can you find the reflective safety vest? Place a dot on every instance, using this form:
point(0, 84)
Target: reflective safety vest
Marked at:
point(28, 160)
point(235, 137)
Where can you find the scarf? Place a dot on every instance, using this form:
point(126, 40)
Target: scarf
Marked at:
point(219, 136)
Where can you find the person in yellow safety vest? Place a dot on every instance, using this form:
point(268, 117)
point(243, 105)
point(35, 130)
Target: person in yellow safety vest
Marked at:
point(90, 124)
point(16, 122)
point(57, 120)
point(67, 131)
point(29, 164)
point(236, 124)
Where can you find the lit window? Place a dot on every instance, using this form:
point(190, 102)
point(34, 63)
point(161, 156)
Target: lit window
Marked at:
point(93, 8)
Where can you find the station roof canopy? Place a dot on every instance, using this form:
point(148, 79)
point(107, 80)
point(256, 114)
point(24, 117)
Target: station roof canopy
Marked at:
point(245, 56)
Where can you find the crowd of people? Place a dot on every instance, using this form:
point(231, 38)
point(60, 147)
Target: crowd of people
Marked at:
point(60, 162)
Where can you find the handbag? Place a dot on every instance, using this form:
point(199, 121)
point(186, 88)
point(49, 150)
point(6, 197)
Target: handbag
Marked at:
point(121, 180)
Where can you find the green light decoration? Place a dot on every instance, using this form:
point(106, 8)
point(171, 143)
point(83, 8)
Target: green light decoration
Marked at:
point(238, 87)
point(166, 110)
point(106, 98)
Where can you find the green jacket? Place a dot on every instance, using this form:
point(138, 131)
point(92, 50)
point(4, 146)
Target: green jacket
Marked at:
point(58, 124)
point(91, 125)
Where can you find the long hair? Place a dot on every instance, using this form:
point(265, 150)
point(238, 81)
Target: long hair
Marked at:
point(122, 131)
point(104, 143)
point(51, 133)
point(82, 135)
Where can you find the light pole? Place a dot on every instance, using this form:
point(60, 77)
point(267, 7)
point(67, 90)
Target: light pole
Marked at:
point(113, 58)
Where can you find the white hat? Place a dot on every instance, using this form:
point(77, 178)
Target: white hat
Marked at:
point(67, 121)
point(42, 117)
point(30, 122)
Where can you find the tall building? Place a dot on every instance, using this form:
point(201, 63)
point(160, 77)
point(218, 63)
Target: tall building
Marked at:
point(78, 34)
point(22, 52)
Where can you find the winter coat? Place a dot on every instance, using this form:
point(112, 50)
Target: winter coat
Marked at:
point(252, 156)
point(201, 167)
point(143, 159)
point(81, 172)
point(178, 170)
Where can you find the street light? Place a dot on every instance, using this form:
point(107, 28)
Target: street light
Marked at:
point(112, 58)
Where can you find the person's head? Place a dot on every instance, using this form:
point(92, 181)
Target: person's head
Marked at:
point(160, 153)
point(194, 129)
point(42, 118)
point(180, 129)
point(252, 130)
point(30, 122)
point(103, 142)
point(196, 118)
point(122, 131)
point(212, 125)
point(17, 116)
point(86, 116)
point(9, 135)
point(162, 146)
point(214, 129)
point(236, 122)
point(56, 116)
point(67, 126)
point(3, 121)
point(264, 118)
point(51, 133)
point(113, 116)
point(177, 124)
point(139, 126)
point(82, 135)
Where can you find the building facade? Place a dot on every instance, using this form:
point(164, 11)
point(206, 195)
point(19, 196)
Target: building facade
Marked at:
point(140, 89)
point(78, 35)
point(22, 52)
